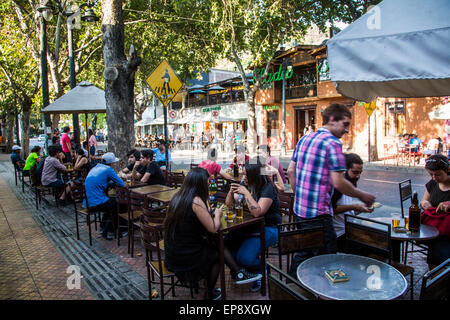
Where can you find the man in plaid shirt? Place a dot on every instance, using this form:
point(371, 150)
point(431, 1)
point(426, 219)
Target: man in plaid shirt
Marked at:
point(317, 166)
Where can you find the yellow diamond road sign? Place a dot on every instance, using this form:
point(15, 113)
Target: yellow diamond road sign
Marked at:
point(164, 82)
point(370, 107)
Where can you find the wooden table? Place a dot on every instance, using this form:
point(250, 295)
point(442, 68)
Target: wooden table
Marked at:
point(147, 189)
point(225, 227)
point(369, 279)
point(163, 196)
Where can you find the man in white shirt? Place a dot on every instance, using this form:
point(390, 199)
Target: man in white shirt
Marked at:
point(343, 204)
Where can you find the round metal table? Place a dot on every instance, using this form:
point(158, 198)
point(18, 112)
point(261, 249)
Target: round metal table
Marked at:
point(370, 279)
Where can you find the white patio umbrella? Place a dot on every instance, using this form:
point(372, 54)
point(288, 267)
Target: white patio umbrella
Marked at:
point(441, 113)
point(397, 49)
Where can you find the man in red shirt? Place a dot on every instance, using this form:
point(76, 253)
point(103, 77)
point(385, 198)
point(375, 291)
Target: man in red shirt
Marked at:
point(66, 145)
point(212, 166)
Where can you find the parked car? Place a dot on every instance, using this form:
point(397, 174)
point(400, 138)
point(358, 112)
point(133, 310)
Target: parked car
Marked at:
point(42, 137)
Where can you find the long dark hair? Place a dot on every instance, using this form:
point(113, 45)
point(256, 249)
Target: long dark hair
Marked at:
point(195, 185)
point(256, 180)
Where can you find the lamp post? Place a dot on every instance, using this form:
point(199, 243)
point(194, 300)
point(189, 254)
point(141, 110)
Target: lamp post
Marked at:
point(89, 16)
point(46, 13)
point(285, 65)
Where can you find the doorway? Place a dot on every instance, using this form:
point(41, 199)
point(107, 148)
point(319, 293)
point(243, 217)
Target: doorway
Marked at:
point(304, 116)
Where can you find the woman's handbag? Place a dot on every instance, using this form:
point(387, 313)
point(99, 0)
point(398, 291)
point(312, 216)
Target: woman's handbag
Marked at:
point(438, 219)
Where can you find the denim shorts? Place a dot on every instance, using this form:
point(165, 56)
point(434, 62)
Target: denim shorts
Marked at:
point(56, 184)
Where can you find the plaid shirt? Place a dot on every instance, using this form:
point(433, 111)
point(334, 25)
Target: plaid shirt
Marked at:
point(316, 155)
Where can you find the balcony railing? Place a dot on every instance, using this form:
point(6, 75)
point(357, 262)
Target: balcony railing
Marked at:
point(301, 91)
point(214, 99)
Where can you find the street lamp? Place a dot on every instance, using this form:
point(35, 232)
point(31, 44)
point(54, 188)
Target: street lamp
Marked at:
point(45, 13)
point(286, 65)
point(89, 16)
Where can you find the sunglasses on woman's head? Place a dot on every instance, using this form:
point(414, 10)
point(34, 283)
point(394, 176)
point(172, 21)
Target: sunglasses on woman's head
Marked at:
point(435, 160)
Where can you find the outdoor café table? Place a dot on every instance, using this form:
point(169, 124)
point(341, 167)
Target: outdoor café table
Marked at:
point(163, 196)
point(129, 185)
point(147, 189)
point(226, 227)
point(426, 233)
point(369, 279)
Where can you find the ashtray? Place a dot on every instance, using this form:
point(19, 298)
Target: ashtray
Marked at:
point(336, 275)
point(400, 230)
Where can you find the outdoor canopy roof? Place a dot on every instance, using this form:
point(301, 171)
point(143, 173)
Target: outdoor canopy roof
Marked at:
point(441, 113)
point(400, 48)
point(84, 98)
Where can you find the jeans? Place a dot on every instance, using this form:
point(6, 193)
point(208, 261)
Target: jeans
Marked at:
point(110, 212)
point(329, 239)
point(250, 249)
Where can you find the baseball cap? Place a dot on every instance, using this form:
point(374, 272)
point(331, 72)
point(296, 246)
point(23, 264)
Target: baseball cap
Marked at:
point(16, 147)
point(109, 158)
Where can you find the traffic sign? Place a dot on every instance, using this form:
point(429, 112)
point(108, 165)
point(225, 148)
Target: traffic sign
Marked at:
point(172, 114)
point(164, 82)
point(370, 107)
point(215, 113)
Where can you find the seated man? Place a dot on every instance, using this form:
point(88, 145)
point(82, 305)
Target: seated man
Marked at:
point(416, 142)
point(160, 154)
point(133, 156)
point(51, 172)
point(343, 204)
point(96, 184)
point(153, 173)
point(212, 166)
point(16, 159)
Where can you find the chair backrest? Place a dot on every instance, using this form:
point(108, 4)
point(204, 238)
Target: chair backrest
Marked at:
point(153, 215)
point(405, 192)
point(137, 201)
point(302, 235)
point(175, 179)
point(280, 290)
point(151, 235)
point(436, 283)
point(78, 194)
point(193, 165)
point(286, 174)
point(222, 184)
point(287, 204)
point(368, 233)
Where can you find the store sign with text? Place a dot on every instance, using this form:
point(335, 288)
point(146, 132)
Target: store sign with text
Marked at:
point(271, 108)
point(210, 109)
point(271, 77)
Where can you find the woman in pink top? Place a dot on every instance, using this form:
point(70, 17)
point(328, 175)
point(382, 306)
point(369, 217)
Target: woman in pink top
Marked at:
point(92, 143)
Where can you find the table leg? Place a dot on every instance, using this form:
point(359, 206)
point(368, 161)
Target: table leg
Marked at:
point(263, 258)
point(222, 265)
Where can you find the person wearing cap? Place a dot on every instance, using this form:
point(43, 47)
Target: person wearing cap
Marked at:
point(153, 173)
point(50, 172)
point(96, 184)
point(66, 145)
point(160, 154)
point(16, 159)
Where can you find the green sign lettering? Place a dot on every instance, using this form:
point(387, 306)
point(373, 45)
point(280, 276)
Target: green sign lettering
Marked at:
point(271, 77)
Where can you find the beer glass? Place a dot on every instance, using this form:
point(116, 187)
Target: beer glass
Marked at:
point(407, 223)
point(230, 214)
point(239, 212)
point(395, 222)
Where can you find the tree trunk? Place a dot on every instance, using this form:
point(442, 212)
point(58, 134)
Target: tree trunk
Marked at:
point(10, 128)
point(25, 124)
point(373, 137)
point(251, 127)
point(119, 80)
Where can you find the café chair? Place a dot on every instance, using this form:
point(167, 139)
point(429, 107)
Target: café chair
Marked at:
point(39, 190)
point(151, 237)
point(122, 200)
point(193, 165)
point(78, 195)
point(222, 184)
point(286, 206)
point(405, 190)
point(18, 172)
point(175, 179)
point(280, 290)
point(286, 175)
point(137, 202)
point(376, 241)
point(436, 283)
point(299, 236)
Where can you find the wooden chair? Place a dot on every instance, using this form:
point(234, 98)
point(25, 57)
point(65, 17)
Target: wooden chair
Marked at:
point(299, 236)
point(405, 190)
point(39, 190)
point(122, 199)
point(375, 239)
point(137, 202)
point(193, 165)
point(222, 184)
point(436, 283)
point(175, 179)
point(280, 290)
point(151, 237)
point(78, 195)
point(18, 172)
point(286, 174)
point(286, 206)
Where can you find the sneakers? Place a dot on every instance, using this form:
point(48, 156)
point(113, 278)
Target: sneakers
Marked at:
point(256, 286)
point(216, 294)
point(243, 276)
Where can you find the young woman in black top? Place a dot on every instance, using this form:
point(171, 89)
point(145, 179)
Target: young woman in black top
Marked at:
point(262, 200)
point(188, 226)
point(437, 195)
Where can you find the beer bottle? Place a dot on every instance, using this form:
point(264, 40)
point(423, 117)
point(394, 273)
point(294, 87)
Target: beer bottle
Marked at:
point(414, 214)
point(212, 192)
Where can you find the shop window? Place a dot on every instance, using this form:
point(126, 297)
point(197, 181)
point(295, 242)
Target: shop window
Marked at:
point(273, 124)
point(395, 118)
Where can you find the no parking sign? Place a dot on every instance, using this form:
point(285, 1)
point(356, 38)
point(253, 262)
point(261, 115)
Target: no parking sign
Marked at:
point(172, 114)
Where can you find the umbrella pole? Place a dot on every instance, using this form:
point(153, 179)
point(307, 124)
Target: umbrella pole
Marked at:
point(86, 124)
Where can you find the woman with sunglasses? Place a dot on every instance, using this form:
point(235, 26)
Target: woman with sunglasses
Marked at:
point(437, 195)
